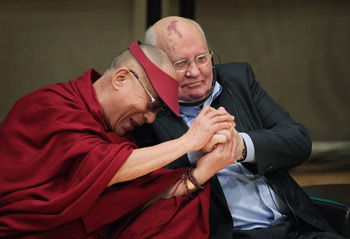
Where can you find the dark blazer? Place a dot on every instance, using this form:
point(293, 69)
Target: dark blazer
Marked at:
point(280, 143)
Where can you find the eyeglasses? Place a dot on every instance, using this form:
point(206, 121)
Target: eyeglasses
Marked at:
point(200, 60)
point(154, 105)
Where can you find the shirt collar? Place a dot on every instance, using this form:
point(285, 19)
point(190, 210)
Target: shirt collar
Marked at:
point(193, 111)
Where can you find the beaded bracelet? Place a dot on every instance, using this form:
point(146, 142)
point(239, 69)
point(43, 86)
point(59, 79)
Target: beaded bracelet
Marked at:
point(190, 182)
point(189, 189)
point(194, 180)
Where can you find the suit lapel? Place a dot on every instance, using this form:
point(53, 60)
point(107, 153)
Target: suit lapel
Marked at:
point(225, 100)
point(178, 128)
point(216, 190)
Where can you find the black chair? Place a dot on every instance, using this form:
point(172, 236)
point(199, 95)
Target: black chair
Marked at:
point(333, 201)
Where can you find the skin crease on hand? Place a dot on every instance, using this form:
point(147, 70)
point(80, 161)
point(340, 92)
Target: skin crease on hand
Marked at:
point(220, 136)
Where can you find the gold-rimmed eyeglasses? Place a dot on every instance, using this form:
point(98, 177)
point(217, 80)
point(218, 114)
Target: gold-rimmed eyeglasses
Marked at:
point(200, 60)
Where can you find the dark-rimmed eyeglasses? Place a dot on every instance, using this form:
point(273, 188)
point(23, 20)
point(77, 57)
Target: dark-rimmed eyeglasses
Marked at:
point(200, 60)
point(154, 105)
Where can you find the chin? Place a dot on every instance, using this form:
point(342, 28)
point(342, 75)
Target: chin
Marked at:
point(197, 96)
point(119, 131)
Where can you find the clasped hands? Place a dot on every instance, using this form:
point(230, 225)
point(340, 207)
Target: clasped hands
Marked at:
point(220, 142)
point(226, 136)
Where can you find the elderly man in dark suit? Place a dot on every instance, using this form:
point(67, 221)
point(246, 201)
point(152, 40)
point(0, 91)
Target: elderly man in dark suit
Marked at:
point(254, 197)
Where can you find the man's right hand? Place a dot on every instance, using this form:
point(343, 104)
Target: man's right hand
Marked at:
point(206, 124)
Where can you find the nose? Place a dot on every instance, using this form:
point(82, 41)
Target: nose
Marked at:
point(149, 117)
point(193, 70)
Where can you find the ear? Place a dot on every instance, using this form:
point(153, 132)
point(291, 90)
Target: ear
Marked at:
point(119, 77)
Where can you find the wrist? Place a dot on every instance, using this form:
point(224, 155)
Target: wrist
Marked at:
point(191, 182)
point(187, 143)
point(243, 153)
point(202, 176)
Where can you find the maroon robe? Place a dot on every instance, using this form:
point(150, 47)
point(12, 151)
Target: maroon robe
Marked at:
point(56, 159)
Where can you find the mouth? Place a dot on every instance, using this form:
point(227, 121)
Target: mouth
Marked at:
point(192, 84)
point(133, 123)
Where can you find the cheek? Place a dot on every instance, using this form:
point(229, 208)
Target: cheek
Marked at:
point(180, 77)
point(208, 74)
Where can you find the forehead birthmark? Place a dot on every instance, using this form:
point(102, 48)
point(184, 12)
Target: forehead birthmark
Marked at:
point(173, 27)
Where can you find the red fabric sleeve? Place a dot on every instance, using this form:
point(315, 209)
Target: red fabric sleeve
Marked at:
point(177, 217)
point(126, 199)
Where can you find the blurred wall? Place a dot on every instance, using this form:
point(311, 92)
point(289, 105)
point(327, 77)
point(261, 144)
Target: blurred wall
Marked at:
point(299, 50)
point(44, 42)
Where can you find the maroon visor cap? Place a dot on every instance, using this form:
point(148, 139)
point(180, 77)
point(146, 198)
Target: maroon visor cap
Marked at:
point(165, 85)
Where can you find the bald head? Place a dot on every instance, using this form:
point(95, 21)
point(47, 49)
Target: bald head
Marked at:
point(169, 30)
point(156, 55)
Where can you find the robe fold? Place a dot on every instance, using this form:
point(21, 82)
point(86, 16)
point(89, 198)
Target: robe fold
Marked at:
point(56, 160)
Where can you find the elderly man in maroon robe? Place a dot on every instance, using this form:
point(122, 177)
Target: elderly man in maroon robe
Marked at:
point(69, 168)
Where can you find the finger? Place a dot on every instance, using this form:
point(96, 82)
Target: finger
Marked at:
point(216, 139)
point(219, 138)
point(211, 112)
point(222, 118)
point(206, 110)
point(225, 132)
